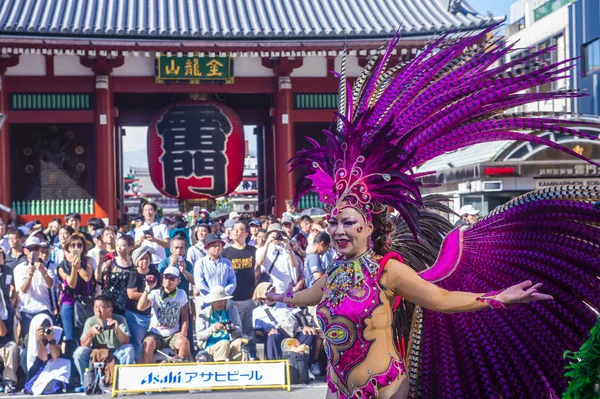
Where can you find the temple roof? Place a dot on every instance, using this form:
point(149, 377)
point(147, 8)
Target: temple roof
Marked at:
point(256, 20)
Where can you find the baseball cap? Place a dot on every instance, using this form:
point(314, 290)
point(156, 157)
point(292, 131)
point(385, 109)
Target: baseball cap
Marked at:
point(234, 214)
point(97, 234)
point(255, 222)
point(274, 227)
point(287, 219)
point(467, 210)
point(173, 271)
point(32, 241)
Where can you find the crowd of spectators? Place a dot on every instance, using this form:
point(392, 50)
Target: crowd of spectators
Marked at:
point(147, 291)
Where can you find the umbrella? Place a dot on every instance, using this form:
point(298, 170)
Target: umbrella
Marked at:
point(313, 212)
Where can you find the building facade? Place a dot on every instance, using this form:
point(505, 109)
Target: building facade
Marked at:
point(72, 76)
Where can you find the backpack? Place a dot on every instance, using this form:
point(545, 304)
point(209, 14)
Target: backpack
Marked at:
point(299, 366)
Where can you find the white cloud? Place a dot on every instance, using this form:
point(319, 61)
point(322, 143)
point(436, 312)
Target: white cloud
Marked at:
point(135, 139)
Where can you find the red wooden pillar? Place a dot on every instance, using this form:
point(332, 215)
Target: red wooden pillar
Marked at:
point(284, 129)
point(105, 191)
point(104, 151)
point(5, 196)
point(284, 143)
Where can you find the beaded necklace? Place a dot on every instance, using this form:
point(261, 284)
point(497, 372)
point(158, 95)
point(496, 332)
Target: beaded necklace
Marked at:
point(346, 276)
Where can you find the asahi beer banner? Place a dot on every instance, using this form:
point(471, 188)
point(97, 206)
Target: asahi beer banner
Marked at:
point(198, 376)
point(196, 150)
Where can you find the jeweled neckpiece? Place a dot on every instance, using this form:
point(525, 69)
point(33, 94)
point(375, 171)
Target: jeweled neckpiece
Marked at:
point(346, 275)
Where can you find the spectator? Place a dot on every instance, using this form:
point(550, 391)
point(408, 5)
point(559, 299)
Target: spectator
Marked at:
point(218, 328)
point(139, 320)
point(213, 270)
point(74, 221)
point(267, 317)
point(33, 283)
point(243, 261)
point(3, 237)
point(279, 261)
point(99, 249)
point(204, 217)
point(137, 222)
point(290, 210)
point(264, 222)
point(75, 272)
point(177, 260)
point(7, 285)
point(123, 229)
point(95, 224)
point(196, 251)
point(15, 255)
point(52, 230)
point(109, 238)
point(104, 330)
point(152, 234)
point(313, 263)
point(306, 223)
point(115, 275)
point(44, 257)
point(288, 226)
point(9, 350)
point(261, 238)
point(169, 321)
point(468, 216)
point(216, 227)
point(47, 371)
point(58, 252)
point(254, 227)
point(234, 217)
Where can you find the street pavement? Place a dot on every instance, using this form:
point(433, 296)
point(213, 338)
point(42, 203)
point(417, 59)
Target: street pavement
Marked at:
point(315, 390)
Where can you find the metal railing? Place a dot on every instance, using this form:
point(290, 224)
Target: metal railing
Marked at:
point(54, 207)
point(310, 200)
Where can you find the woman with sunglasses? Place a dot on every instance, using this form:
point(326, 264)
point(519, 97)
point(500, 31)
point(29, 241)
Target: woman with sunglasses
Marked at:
point(76, 273)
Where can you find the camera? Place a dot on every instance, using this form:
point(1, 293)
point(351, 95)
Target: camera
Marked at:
point(229, 326)
point(48, 330)
point(104, 327)
point(279, 237)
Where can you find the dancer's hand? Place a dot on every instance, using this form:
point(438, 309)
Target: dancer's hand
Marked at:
point(279, 297)
point(522, 293)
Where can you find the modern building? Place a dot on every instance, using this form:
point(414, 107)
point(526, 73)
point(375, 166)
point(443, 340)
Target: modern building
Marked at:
point(489, 174)
point(585, 31)
point(73, 73)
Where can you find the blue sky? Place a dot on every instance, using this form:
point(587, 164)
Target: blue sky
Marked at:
point(497, 7)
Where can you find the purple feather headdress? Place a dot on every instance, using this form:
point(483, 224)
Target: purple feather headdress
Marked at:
point(451, 95)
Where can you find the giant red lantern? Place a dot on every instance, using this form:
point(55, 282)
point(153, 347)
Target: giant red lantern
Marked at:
point(196, 150)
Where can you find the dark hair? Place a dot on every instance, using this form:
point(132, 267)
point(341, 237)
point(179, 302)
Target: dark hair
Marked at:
point(322, 237)
point(129, 239)
point(104, 299)
point(73, 215)
point(96, 223)
point(58, 220)
point(263, 218)
point(109, 228)
point(152, 204)
point(382, 227)
point(68, 228)
point(262, 231)
point(181, 237)
point(16, 232)
point(273, 219)
point(306, 218)
point(76, 237)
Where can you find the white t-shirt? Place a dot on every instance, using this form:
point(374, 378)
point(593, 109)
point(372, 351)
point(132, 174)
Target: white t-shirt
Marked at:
point(37, 297)
point(166, 312)
point(282, 273)
point(161, 232)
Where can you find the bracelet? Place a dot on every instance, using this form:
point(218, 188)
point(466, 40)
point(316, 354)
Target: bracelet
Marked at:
point(494, 303)
point(289, 296)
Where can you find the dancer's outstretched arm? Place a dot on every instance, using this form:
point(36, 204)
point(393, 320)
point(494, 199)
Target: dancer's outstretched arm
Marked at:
point(308, 297)
point(406, 283)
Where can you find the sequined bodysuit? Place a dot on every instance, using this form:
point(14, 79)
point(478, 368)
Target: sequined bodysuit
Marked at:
point(356, 317)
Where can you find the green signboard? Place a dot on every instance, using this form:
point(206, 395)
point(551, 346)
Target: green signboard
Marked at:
point(193, 69)
point(548, 8)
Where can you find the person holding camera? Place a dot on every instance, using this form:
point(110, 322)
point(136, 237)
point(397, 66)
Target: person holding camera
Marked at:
point(33, 282)
point(139, 320)
point(152, 234)
point(218, 327)
point(9, 350)
point(177, 260)
point(169, 320)
point(280, 265)
point(104, 330)
point(47, 372)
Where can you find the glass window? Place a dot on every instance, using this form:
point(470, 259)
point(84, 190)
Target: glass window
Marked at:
point(591, 56)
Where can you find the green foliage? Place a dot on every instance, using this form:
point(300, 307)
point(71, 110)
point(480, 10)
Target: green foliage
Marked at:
point(584, 368)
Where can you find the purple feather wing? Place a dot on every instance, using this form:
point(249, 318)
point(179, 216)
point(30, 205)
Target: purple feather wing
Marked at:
point(551, 236)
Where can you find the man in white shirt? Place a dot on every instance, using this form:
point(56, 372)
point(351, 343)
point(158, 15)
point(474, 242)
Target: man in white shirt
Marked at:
point(152, 234)
point(33, 282)
point(3, 237)
point(278, 259)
